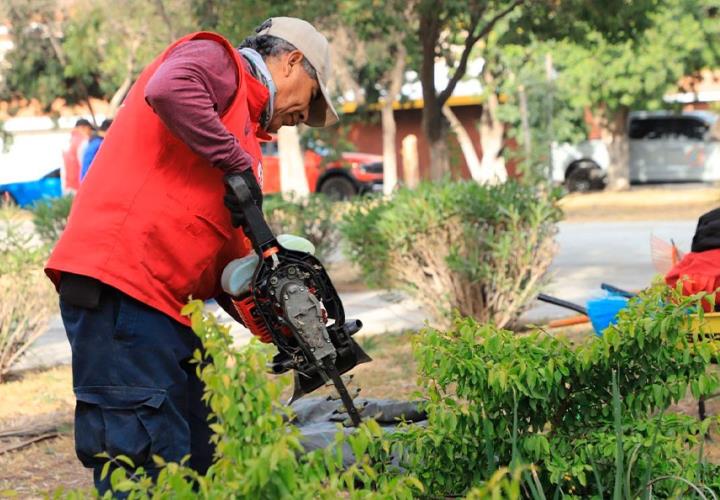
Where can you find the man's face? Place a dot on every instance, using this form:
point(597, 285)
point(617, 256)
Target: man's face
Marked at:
point(295, 90)
point(85, 130)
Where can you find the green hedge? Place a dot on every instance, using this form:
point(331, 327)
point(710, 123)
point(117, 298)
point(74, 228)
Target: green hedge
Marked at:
point(50, 217)
point(483, 251)
point(590, 420)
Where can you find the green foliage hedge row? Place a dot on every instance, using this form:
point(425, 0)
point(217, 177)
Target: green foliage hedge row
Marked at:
point(591, 419)
point(258, 454)
point(496, 397)
point(481, 250)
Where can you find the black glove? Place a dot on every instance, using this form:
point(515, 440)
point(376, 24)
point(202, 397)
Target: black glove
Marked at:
point(233, 204)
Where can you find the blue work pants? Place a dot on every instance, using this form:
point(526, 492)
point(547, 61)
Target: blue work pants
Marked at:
point(137, 393)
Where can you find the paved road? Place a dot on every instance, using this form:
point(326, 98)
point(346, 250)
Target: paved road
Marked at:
point(380, 312)
point(618, 253)
point(589, 254)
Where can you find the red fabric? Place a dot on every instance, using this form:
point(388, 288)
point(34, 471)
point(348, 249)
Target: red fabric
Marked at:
point(699, 272)
point(149, 219)
point(70, 159)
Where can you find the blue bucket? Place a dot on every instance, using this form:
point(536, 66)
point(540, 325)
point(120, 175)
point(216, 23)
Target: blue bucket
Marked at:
point(603, 311)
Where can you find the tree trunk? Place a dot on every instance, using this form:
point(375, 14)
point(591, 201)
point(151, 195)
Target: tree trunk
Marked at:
point(166, 19)
point(411, 174)
point(614, 135)
point(388, 121)
point(119, 96)
point(525, 124)
point(389, 150)
point(91, 110)
point(347, 47)
point(492, 131)
point(292, 164)
point(435, 128)
point(466, 144)
point(433, 123)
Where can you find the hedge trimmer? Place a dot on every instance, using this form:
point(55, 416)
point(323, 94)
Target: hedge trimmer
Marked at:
point(290, 302)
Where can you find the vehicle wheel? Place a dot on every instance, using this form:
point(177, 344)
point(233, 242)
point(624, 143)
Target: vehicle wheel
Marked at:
point(584, 176)
point(338, 188)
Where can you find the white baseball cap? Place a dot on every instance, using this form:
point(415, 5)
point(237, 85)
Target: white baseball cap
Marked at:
point(316, 50)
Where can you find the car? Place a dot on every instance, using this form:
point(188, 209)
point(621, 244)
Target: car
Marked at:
point(26, 193)
point(30, 164)
point(664, 147)
point(339, 179)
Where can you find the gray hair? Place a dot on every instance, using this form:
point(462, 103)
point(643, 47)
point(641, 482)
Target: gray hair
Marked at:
point(271, 46)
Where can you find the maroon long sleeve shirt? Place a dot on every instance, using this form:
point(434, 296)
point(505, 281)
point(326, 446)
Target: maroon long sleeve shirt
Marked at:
point(189, 91)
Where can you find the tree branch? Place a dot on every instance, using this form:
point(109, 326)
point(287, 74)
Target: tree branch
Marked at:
point(469, 44)
point(166, 19)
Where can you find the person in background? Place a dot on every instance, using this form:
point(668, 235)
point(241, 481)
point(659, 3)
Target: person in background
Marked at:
point(72, 156)
point(92, 148)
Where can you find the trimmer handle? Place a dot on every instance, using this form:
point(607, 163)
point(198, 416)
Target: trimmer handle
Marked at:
point(255, 227)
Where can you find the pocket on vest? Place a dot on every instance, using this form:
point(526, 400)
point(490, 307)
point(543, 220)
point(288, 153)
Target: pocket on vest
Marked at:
point(179, 249)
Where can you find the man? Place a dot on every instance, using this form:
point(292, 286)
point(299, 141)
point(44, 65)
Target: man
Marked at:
point(92, 148)
point(72, 157)
point(149, 228)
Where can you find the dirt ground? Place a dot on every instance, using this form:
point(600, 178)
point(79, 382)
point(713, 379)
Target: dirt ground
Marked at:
point(677, 202)
point(44, 399)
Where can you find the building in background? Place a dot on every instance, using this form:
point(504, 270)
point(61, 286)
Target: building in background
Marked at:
point(697, 93)
point(366, 136)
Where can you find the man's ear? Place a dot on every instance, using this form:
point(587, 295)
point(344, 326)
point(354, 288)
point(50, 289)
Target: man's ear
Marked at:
point(294, 58)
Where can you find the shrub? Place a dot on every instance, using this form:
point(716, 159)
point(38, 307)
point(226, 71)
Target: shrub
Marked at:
point(458, 245)
point(50, 217)
point(314, 217)
point(590, 418)
point(26, 295)
point(258, 455)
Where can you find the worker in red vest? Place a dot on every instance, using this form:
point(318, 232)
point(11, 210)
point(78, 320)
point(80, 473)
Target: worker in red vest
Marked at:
point(150, 228)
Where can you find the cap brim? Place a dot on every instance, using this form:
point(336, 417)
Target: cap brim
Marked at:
point(322, 113)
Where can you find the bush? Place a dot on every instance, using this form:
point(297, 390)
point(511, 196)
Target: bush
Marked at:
point(258, 455)
point(314, 217)
point(480, 250)
point(26, 295)
point(591, 419)
point(50, 217)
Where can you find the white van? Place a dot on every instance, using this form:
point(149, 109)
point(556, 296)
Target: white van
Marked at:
point(664, 147)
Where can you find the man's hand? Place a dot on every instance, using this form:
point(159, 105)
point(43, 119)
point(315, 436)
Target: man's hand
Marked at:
point(233, 204)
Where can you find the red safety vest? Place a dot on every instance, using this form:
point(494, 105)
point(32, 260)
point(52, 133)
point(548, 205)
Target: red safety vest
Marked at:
point(150, 219)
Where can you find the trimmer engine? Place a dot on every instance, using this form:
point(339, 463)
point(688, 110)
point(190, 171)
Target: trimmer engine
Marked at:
point(292, 303)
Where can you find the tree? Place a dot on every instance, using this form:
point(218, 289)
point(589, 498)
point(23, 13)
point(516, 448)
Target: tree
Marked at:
point(292, 162)
point(87, 49)
point(442, 28)
point(102, 38)
point(379, 32)
point(612, 73)
point(36, 64)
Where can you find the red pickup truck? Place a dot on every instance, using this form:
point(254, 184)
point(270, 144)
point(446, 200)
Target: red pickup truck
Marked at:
point(352, 174)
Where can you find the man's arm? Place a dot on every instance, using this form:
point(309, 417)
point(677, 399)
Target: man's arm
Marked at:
point(189, 91)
